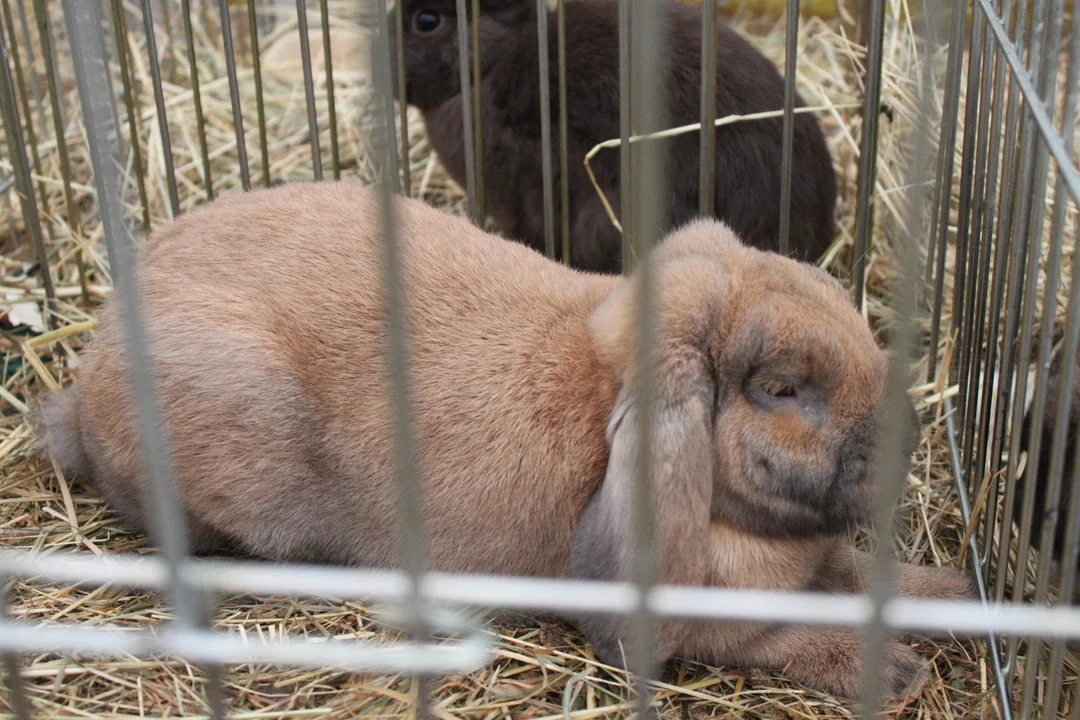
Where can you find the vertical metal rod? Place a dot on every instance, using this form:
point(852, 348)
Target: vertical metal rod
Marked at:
point(467, 111)
point(1070, 348)
point(648, 26)
point(478, 114)
point(892, 462)
point(309, 87)
point(545, 127)
point(403, 107)
point(963, 313)
point(564, 143)
point(260, 107)
point(1070, 557)
point(791, 58)
point(1046, 35)
point(1006, 201)
point(982, 364)
point(867, 174)
point(1053, 481)
point(988, 149)
point(159, 101)
point(20, 85)
point(406, 463)
point(16, 686)
point(939, 232)
point(1031, 157)
point(200, 122)
point(120, 34)
point(971, 366)
point(167, 62)
point(85, 33)
point(973, 197)
point(234, 90)
point(1070, 553)
point(707, 158)
point(335, 156)
point(991, 644)
point(988, 426)
point(24, 183)
point(626, 152)
point(943, 182)
point(95, 93)
point(31, 63)
point(41, 12)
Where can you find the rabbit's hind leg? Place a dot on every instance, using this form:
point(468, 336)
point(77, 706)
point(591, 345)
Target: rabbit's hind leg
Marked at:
point(829, 659)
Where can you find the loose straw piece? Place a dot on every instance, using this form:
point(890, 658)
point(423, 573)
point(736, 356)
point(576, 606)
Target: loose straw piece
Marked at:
point(686, 129)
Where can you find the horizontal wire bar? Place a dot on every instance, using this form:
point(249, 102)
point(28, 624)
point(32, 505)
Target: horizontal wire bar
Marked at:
point(1054, 143)
point(207, 647)
point(550, 594)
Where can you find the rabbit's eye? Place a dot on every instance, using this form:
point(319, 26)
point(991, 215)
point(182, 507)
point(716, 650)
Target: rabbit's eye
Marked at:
point(783, 391)
point(771, 392)
point(426, 21)
point(778, 390)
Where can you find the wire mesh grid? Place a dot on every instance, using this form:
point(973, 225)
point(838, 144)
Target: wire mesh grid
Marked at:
point(1005, 259)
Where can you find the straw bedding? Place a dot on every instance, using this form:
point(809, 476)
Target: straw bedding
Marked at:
point(542, 668)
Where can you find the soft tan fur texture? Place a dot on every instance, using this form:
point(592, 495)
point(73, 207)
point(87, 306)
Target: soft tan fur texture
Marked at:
point(267, 318)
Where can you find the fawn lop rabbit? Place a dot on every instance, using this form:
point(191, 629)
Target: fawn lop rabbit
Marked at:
point(268, 325)
point(748, 154)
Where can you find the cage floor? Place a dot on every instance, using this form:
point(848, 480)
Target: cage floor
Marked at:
point(543, 668)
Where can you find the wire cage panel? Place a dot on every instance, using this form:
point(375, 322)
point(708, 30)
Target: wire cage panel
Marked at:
point(982, 239)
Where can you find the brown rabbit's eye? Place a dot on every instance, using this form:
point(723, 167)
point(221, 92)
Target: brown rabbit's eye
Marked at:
point(778, 389)
point(425, 21)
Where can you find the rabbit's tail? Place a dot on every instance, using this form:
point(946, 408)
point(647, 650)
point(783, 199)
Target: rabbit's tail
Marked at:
point(57, 427)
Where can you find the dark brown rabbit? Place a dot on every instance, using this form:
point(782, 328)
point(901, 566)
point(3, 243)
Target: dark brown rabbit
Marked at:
point(1055, 395)
point(748, 155)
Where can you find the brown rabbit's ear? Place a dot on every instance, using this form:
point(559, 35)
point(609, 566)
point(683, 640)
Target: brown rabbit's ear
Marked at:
point(682, 460)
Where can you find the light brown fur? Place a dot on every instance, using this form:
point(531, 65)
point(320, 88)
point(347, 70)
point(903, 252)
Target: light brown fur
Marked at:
point(267, 317)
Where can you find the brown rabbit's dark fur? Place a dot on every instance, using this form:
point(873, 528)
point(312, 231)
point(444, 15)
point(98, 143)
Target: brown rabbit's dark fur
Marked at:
point(1055, 395)
point(748, 156)
point(267, 314)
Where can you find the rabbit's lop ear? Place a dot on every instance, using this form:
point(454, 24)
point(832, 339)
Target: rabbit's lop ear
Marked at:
point(681, 467)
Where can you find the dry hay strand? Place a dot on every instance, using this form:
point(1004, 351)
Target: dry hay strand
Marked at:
point(542, 668)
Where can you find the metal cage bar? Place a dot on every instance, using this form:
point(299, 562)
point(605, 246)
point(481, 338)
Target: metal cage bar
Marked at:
point(867, 173)
point(791, 59)
point(24, 182)
point(331, 103)
point(545, 126)
point(234, 95)
point(407, 468)
point(890, 467)
point(159, 103)
point(648, 35)
point(707, 159)
point(472, 164)
point(196, 96)
point(309, 87)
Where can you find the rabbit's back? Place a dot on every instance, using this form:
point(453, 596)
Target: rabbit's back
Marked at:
point(268, 324)
point(748, 156)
